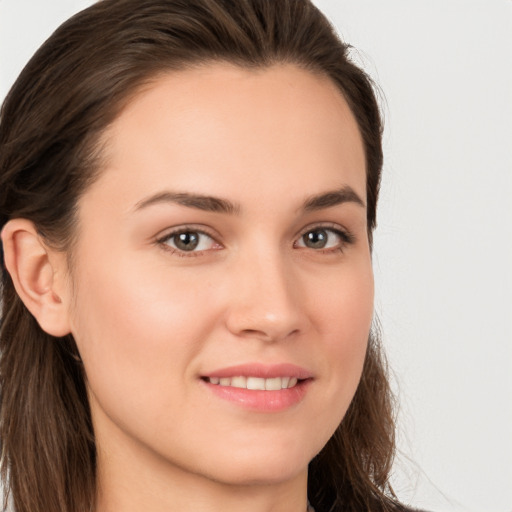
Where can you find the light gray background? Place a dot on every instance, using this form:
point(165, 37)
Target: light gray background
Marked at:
point(443, 251)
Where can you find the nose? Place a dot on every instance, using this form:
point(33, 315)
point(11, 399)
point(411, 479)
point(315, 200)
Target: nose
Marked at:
point(266, 300)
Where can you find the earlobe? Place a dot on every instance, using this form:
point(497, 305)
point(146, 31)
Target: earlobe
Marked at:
point(38, 274)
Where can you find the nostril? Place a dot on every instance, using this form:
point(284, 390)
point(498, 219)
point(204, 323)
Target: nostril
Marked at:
point(251, 331)
point(269, 335)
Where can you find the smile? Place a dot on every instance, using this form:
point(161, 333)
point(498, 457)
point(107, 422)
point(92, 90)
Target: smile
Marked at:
point(255, 383)
point(265, 388)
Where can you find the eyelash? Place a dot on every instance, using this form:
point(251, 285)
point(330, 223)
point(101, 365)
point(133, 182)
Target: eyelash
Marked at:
point(163, 241)
point(345, 237)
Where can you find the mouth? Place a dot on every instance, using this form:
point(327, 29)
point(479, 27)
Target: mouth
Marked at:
point(258, 387)
point(255, 383)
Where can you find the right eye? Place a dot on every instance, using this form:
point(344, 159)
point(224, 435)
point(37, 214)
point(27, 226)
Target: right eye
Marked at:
point(188, 241)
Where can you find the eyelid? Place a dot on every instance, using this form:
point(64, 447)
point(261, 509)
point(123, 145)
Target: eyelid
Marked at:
point(164, 235)
point(345, 235)
point(200, 228)
point(326, 225)
point(347, 238)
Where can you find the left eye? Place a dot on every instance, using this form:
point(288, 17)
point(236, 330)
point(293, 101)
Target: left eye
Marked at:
point(189, 241)
point(321, 238)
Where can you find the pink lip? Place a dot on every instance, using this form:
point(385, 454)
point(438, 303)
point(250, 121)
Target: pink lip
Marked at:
point(258, 400)
point(266, 371)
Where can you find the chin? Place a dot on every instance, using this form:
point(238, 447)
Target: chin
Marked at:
point(259, 474)
point(261, 466)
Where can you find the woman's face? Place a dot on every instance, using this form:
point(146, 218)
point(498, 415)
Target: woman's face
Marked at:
point(224, 248)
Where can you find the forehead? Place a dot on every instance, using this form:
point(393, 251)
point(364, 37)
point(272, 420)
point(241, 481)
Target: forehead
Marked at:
point(223, 129)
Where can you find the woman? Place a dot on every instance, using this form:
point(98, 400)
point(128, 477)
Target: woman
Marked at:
point(188, 194)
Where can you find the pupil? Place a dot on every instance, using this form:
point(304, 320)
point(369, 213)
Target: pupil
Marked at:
point(315, 239)
point(186, 241)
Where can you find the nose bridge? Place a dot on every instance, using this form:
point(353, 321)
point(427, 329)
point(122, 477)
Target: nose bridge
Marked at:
point(265, 303)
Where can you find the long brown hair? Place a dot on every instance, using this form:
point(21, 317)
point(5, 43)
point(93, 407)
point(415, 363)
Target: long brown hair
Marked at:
point(51, 122)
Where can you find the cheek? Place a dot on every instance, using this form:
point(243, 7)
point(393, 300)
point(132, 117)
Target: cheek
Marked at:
point(344, 315)
point(344, 307)
point(135, 305)
point(137, 334)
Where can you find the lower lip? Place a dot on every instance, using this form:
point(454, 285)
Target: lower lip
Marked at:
point(259, 400)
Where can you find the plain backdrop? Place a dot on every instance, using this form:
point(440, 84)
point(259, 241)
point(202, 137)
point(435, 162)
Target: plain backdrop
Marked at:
point(443, 248)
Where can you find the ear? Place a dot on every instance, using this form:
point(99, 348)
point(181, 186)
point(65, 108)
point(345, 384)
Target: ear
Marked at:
point(39, 275)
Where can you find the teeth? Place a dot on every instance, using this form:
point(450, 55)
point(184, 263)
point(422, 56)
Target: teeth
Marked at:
point(255, 383)
point(273, 384)
point(238, 382)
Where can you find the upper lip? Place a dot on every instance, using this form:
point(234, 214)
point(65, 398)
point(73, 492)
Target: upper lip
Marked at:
point(266, 371)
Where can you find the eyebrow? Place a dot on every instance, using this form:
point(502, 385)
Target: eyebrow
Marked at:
point(321, 201)
point(198, 201)
point(332, 198)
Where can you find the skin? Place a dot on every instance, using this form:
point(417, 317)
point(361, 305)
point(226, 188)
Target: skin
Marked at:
point(150, 320)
